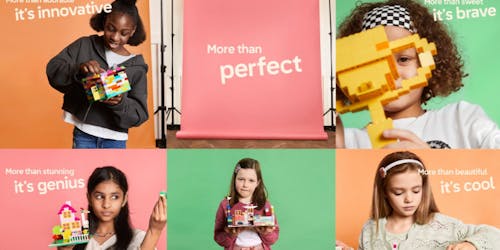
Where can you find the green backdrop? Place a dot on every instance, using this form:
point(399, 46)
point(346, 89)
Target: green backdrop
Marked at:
point(300, 184)
point(477, 37)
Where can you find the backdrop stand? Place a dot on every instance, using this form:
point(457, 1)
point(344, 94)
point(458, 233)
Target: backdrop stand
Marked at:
point(331, 110)
point(172, 109)
point(162, 142)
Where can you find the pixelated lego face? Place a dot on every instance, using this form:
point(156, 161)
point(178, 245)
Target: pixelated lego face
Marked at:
point(404, 193)
point(118, 28)
point(106, 200)
point(407, 63)
point(245, 183)
point(361, 64)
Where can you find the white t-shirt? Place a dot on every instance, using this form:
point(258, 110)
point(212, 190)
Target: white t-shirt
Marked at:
point(457, 126)
point(248, 238)
point(135, 244)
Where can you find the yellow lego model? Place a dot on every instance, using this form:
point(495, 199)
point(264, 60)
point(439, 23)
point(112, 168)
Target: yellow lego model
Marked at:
point(366, 74)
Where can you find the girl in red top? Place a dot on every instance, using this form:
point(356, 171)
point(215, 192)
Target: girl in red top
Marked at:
point(247, 188)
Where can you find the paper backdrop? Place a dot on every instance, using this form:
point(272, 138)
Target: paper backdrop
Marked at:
point(33, 33)
point(34, 184)
point(251, 70)
point(465, 184)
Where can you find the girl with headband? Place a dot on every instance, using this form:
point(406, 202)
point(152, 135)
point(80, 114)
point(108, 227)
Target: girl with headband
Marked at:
point(457, 125)
point(404, 214)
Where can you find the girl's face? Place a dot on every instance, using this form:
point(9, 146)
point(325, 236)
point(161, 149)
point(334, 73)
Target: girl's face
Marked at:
point(118, 28)
point(106, 200)
point(404, 192)
point(407, 63)
point(246, 181)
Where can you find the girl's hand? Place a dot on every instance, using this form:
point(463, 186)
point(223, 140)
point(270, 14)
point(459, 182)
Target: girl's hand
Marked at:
point(264, 230)
point(339, 133)
point(344, 246)
point(157, 222)
point(462, 246)
point(158, 218)
point(113, 100)
point(406, 139)
point(233, 231)
point(91, 66)
point(65, 247)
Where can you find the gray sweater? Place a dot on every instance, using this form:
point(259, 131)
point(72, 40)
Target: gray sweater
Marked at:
point(441, 232)
point(63, 74)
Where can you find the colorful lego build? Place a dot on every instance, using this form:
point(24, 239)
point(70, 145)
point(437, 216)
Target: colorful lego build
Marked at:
point(106, 84)
point(72, 230)
point(366, 74)
point(247, 218)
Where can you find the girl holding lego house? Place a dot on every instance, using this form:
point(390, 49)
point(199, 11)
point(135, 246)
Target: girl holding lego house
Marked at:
point(457, 125)
point(103, 124)
point(246, 189)
point(109, 220)
point(404, 214)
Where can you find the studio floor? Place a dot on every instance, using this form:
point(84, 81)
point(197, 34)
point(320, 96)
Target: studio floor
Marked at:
point(173, 142)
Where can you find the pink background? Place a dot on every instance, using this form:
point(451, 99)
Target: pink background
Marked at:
point(27, 218)
point(283, 106)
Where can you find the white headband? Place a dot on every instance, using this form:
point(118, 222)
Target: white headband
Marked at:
point(383, 170)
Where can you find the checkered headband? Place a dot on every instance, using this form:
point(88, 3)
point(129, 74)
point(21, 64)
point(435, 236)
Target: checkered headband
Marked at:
point(388, 15)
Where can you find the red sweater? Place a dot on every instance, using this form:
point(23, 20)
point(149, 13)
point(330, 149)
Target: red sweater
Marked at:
point(228, 240)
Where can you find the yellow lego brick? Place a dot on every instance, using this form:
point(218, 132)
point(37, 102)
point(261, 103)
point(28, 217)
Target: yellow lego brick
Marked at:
point(361, 48)
point(368, 81)
point(375, 131)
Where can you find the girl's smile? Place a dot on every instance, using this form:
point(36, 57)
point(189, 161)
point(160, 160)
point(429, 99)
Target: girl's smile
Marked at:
point(118, 29)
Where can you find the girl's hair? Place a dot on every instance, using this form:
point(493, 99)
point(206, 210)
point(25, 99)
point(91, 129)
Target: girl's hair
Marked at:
point(125, 7)
point(447, 76)
point(259, 196)
point(380, 201)
point(123, 229)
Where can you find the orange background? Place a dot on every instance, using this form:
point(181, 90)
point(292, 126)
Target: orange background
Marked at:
point(355, 172)
point(30, 108)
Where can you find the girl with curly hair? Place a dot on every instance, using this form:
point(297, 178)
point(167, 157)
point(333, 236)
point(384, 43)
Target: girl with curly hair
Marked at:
point(457, 125)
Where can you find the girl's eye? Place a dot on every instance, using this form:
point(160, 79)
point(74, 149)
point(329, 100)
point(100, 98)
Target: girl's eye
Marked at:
point(98, 196)
point(114, 197)
point(416, 191)
point(403, 59)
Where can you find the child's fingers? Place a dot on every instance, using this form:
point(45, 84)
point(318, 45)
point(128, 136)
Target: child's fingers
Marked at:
point(113, 100)
point(406, 139)
point(91, 66)
point(163, 202)
point(160, 209)
point(339, 133)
